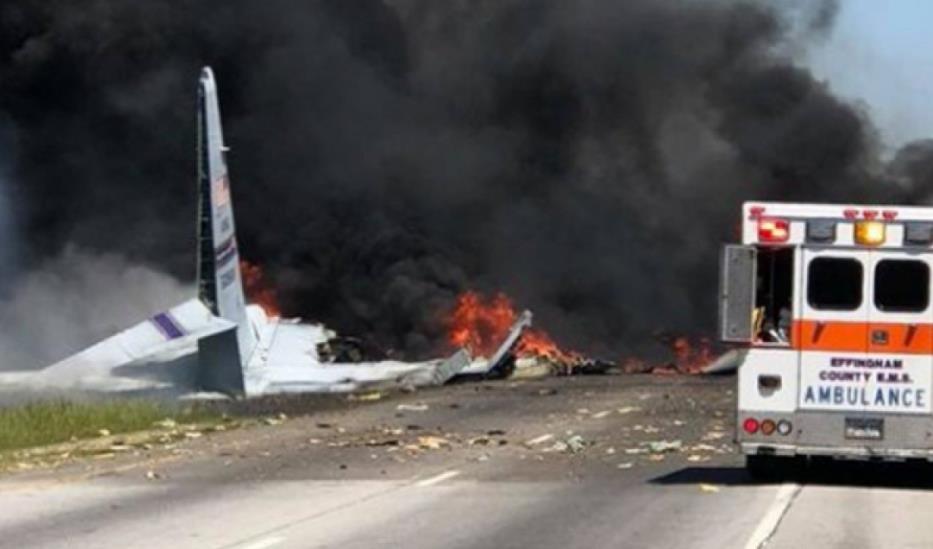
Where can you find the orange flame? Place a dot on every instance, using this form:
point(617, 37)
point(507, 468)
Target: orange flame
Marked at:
point(691, 357)
point(258, 291)
point(480, 324)
point(483, 324)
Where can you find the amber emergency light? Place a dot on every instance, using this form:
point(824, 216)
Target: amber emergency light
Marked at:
point(869, 233)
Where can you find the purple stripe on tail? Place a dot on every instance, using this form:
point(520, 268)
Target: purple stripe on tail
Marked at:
point(225, 252)
point(168, 326)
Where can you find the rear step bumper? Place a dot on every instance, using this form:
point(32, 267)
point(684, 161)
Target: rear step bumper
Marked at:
point(850, 452)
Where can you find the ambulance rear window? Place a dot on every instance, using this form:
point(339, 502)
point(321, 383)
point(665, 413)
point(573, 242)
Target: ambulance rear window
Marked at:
point(902, 286)
point(835, 283)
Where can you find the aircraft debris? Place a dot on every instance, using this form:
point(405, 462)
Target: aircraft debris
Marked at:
point(277, 420)
point(230, 348)
point(702, 448)
point(573, 445)
point(433, 443)
point(344, 349)
point(523, 353)
point(365, 397)
point(412, 408)
point(215, 343)
point(726, 363)
point(714, 435)
point(539, 440)
point(665, 446)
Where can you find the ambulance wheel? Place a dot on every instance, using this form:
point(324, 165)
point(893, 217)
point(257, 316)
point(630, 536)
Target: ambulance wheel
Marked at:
point(770, 467)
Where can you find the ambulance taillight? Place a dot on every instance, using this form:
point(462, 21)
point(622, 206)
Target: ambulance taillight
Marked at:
point(773, 230)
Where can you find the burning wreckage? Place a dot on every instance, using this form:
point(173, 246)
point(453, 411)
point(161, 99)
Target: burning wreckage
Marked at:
point(218, 343)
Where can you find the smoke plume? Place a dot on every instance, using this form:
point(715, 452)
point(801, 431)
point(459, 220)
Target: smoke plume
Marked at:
point(587, 157)
point(75, 299)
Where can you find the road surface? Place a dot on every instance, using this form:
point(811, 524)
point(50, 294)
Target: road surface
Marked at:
point(618, 461)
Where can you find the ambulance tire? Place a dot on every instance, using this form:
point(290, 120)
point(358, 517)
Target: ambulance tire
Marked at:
point(771, 467)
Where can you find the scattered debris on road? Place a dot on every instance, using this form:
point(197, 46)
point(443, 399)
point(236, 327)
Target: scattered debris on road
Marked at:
point(366, 397)
point(573, 445)
point(539, 440)
point(433, 443)
point(665, 446)
point(412, 408)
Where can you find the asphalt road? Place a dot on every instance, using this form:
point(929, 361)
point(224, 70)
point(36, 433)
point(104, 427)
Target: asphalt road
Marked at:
point(485, 465)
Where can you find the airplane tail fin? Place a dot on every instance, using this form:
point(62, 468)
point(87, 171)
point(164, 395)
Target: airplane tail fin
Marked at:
point(220, 282)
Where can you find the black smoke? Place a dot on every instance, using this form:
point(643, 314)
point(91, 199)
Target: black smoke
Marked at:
point(587, 157)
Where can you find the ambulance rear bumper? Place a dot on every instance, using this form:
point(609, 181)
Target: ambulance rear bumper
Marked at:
point(846, 452)
point(900, 436)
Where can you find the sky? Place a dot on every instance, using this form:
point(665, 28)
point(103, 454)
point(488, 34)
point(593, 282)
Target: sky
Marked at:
point(880, 54)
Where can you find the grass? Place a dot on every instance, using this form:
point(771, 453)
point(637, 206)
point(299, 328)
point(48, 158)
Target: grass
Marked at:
point(43, 423)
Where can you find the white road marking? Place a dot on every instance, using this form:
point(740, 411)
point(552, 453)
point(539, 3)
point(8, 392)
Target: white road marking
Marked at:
point(265, 543)
point(772, 518)
point(437, 479)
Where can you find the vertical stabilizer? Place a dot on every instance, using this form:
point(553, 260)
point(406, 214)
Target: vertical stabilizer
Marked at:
point(220, 284)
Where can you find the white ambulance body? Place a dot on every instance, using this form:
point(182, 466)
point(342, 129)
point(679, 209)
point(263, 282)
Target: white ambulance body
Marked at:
point(831, 304)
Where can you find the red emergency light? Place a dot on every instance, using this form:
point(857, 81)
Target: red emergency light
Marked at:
point(771, 229)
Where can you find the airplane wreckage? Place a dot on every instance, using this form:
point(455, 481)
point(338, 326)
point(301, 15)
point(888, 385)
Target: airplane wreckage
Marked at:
point(217, 343)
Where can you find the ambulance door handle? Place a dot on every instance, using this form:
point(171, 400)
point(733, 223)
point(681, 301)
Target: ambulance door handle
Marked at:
point(818, 331)
point(879, 337)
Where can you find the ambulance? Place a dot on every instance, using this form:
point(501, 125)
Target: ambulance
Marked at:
point(829, 306)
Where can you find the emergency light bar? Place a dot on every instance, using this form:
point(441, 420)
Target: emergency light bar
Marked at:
point(772, 224)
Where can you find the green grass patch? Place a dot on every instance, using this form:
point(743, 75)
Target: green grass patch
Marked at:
point(44, 423)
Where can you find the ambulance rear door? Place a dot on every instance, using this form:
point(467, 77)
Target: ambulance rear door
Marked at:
point(897, 377)
point(832, 330)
